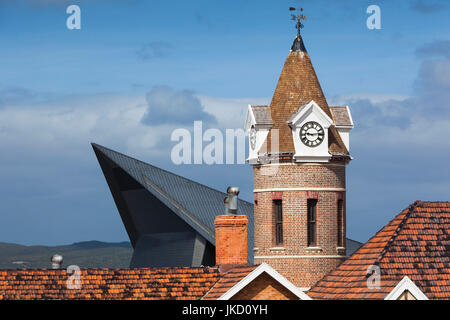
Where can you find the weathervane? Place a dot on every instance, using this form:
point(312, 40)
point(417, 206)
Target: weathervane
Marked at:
point(298, 17)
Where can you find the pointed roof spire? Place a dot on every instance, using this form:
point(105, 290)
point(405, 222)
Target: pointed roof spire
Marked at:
point(298, 44)
point(298, 85)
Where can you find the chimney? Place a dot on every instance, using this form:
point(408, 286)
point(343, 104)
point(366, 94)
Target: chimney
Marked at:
point(231, 233)
point(56, 261)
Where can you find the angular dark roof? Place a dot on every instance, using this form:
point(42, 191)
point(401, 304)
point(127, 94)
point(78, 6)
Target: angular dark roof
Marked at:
point(194, 203)
point(416, 244)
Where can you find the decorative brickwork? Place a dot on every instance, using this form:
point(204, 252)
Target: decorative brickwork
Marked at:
point(301, 241)
point(231, 240)
point(300, 264)
point(264, 287)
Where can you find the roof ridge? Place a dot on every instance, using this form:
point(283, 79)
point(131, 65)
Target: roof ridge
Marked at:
point(166, 171)
point(205, 268)
point(411, 208)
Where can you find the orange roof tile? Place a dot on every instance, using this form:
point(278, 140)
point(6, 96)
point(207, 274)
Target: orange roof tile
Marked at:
point(180, 283)
point(416, 243)
point(117, 284)
point(228, 280)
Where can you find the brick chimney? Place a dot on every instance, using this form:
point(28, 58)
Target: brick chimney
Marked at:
point(231, 239)
point(231, 233)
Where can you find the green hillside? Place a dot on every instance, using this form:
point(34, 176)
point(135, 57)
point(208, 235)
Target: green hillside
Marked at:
point(88, 254)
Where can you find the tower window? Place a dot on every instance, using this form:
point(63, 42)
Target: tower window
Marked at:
point(340, 223)
point(312, 205)
point(278, 208)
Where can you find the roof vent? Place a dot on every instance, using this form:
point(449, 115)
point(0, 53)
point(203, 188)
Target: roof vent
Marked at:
point(231, 201)
point(57, 261)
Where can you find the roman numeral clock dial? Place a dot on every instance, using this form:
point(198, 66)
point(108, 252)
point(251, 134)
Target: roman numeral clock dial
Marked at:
point(312, 134)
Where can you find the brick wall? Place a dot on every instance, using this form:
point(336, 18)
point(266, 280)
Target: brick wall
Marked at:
point(231, 239)
point(264, 287)
point(314, 263)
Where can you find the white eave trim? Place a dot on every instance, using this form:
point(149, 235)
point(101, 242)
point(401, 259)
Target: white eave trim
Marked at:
point(406, 285)
point(344, 127)
point(250, 119)
point(264, 267)
point(350, 116)
point(304, 109)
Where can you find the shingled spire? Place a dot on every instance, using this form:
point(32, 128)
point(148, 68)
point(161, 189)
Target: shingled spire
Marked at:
point(298, 84)
point(299, 212)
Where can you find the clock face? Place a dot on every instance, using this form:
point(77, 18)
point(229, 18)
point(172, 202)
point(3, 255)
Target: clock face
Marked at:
point(312, 134)
point(253, 137)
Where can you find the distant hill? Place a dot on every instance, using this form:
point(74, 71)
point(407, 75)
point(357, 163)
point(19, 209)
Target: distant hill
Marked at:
point(87, 254)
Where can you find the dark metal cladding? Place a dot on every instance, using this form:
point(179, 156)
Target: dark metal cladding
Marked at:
point(298, 45)
point(152, 202)
point(169, 219)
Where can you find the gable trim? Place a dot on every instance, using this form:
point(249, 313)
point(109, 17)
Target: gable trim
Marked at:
point(264, 267)
point(406, 284)
point(250, 119)
point(310, 107)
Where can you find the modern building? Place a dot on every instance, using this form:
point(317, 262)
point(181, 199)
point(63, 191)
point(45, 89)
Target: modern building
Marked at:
point(233, 279)
point(169, 219)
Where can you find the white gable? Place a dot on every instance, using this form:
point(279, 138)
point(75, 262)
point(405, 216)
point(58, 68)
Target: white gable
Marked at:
point(307, 113)
point(406, 285)
point(264, 267)
point(262, 130)
point(306, 110)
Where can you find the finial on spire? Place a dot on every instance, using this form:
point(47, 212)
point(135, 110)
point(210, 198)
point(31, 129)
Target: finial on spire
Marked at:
point(298, 17)
point(298, 42)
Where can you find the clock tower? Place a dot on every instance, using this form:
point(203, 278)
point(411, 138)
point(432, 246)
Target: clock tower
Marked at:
point(299, 148)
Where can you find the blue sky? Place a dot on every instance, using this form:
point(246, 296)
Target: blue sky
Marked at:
point(61, 89)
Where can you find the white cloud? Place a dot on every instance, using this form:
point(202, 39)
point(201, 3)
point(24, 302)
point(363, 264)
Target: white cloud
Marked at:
point(230, 112)
point(115, 120)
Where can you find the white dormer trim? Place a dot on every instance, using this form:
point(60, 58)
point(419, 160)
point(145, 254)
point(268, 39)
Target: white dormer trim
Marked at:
point(306, 110)
point(305, 113)
point(250, 119)
point(406, 284)
point(352, 125)
point(344, 131)
point(264, 267)
point(262, 131)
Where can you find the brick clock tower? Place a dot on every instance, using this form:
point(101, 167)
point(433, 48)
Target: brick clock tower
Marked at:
point(299, 149)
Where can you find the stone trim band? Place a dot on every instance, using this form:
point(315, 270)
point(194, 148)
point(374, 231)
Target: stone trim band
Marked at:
point(300, 189)
point(295, 257)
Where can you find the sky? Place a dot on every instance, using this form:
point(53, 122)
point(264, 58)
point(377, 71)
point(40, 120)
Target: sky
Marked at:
point(137, 70)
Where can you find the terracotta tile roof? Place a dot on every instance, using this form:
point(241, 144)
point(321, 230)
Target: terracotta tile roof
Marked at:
point(146, 283)
point(298, 84)
point(228, 280)
point(180, 283)
point(416, 243)
point(341, 117)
